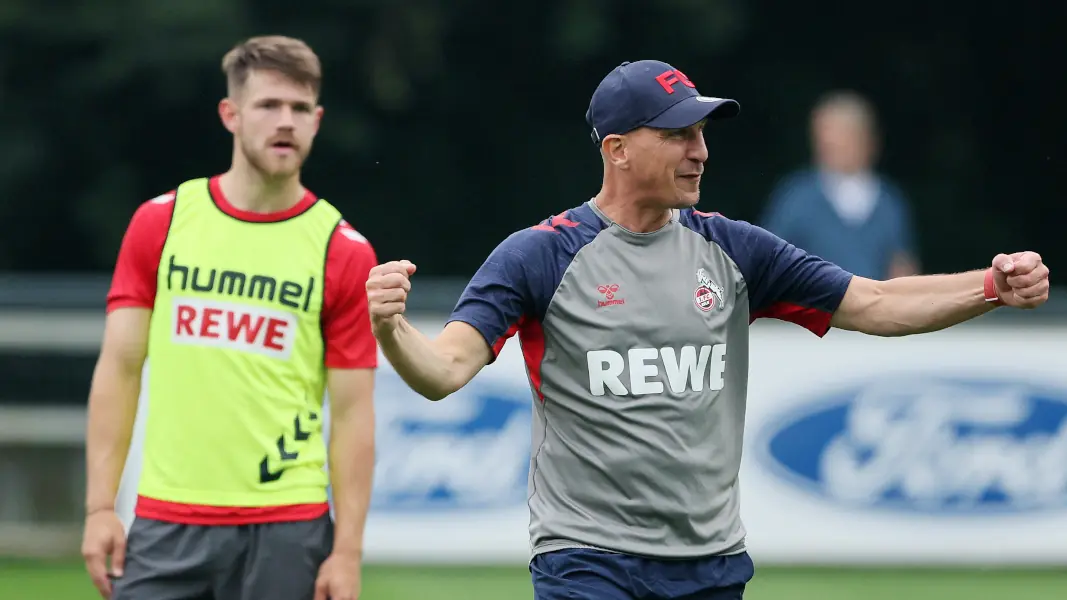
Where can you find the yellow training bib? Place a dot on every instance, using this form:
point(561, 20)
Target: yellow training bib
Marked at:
point(236, 373)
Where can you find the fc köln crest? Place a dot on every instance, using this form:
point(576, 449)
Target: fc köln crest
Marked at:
point(708, 295)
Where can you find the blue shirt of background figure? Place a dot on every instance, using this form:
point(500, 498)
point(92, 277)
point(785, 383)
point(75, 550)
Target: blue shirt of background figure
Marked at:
point(801, 212)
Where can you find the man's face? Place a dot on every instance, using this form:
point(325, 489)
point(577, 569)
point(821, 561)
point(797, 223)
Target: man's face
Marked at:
point(666, 164)
point(274, 121)
point(841, 141)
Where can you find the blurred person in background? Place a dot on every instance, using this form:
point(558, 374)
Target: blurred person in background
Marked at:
point(247, 293)
point(842, 209)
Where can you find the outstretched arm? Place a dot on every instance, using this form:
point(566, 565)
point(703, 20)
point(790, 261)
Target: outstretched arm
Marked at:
point(787, 283)
point(921, 304)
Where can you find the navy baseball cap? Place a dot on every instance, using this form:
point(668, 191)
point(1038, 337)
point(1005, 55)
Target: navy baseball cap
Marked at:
point(650, 93)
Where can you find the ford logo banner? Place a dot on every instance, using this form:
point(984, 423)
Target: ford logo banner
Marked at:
point(469, 451)
point(958, 446)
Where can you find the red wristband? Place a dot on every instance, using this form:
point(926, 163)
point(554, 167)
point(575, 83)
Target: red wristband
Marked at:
point(991, 289)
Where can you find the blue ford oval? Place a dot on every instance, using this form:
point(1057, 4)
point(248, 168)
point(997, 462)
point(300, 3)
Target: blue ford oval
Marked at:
point(930, 445)
point(471, 452)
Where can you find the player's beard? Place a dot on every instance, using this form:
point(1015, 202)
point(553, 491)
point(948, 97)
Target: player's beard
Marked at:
point(271, 167)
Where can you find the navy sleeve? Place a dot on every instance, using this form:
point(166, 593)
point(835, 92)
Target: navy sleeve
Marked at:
point(514, 283)
point(784, 282)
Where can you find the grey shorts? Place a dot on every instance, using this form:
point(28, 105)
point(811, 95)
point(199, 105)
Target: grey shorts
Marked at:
point(272, 561)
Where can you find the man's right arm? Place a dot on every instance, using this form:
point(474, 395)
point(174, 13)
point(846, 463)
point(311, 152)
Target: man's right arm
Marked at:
point(511, 284)
point(113, 397)
point(116, 383)
point(435, 367)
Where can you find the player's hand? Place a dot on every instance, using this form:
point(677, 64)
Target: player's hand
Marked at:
point(104, 538)
point(1021, 279)
point(339, 578)
point(387, 293)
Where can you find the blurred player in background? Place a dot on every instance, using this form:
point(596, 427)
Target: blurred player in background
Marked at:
point(247, 293)
point(842, 209)
point(633, 311)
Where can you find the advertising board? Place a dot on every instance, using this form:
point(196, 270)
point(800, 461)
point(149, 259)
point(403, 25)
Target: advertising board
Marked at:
point(943, 448)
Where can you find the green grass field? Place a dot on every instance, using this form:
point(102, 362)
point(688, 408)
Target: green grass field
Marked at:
point(25, 580)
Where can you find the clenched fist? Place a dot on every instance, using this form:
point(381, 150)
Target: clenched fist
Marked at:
point(1021, 279)
point(387, 293)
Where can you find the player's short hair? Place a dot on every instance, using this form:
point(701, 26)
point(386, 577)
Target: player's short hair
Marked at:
point(291, 57)
point(850, 103)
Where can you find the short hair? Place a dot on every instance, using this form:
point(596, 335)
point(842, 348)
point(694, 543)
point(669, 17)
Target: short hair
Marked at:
point(850, 103)
point(291, 57)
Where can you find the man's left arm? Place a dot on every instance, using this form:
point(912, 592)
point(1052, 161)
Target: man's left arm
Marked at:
point(351, 455)
point(925, 303)
point(351, 358)
point(786, 283)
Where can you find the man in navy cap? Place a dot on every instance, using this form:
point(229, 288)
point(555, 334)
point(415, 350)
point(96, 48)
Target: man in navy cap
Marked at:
point(633, 310)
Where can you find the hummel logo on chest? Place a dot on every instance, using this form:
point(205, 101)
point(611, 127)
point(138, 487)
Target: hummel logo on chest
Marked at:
point(608, 293)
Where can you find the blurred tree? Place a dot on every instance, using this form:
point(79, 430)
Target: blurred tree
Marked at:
point(451, 123)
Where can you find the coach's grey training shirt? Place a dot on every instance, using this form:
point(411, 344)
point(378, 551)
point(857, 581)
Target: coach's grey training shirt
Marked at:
point(636, 347)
